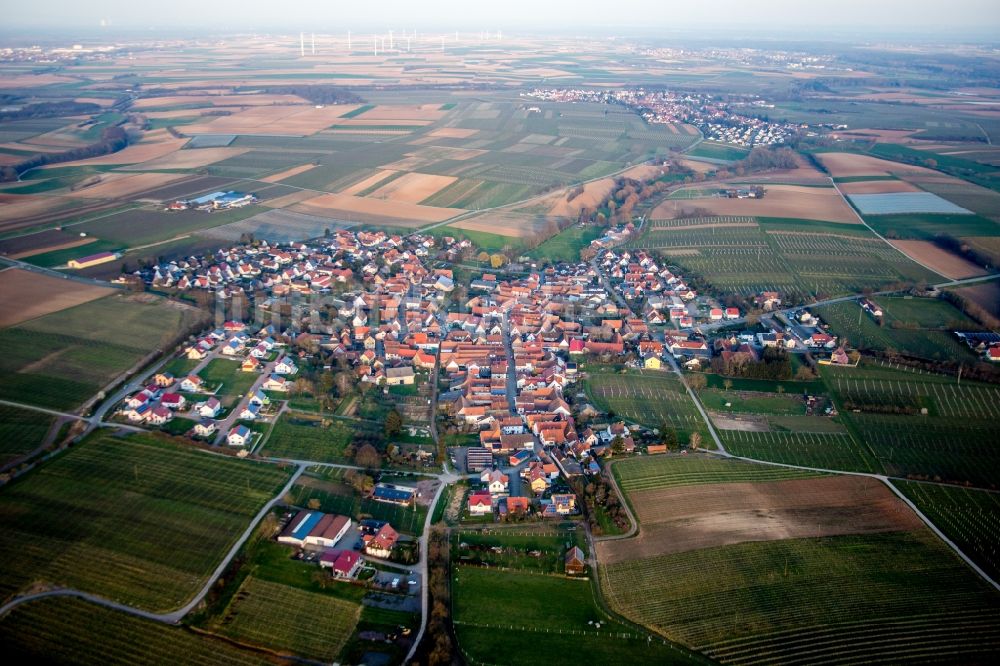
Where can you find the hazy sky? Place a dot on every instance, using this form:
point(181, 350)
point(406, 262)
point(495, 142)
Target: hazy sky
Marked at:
point(473, 15)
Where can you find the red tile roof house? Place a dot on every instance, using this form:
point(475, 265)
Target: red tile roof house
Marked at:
point(480, 503)
point(381, 544)
point(343, 563)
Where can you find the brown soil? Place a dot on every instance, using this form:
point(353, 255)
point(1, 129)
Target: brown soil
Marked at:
point(810, 203)
point(939, 260)
point(413, 187)
point(26, 295)
point(350, 208)
point(688, 518)
point(848, 165)
point(117, 185)
point(287, 173)
point(877, 187)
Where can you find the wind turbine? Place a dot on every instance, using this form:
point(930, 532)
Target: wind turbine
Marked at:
point(302, 44)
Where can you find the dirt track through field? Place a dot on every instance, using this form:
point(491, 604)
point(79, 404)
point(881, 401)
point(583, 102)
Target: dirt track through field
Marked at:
point(680, 519)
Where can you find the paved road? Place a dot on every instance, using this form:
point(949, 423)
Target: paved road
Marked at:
point(92, 282)
point(172, 617)
point(422, 571)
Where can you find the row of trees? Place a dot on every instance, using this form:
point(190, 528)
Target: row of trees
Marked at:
point(598, 495)
point(773, 364)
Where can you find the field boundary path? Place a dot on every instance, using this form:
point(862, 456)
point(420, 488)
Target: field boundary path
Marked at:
point(173, 617)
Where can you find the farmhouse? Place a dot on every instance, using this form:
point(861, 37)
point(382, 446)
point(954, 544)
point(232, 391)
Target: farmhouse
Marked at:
point(343, 563)
point(399, 376)
point(238, 436)
point(381, 543)
point(313, 528)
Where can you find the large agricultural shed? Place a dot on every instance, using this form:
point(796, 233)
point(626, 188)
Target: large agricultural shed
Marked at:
point(894, 203)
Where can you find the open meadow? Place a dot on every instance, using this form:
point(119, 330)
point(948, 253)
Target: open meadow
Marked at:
point(138, 520)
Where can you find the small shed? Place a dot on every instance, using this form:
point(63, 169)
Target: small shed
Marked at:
point(576, 563)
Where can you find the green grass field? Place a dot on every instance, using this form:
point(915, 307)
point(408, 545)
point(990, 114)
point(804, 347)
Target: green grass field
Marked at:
point(927, 338)
point(566, 246)
point(504, 617)
point(72, 631)
point(308, 624)
point(21, 431)
point(306, 439)
point(62, 359)
point(227, 372)
point(719, 151)
point(669, 471)
point(649, 398)
point(539, 550)
point(327, 486)
point(838, 598)
point(765, 403)
point(138, 520)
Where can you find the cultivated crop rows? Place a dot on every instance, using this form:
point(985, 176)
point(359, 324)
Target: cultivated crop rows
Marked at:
point(646, 399)
point(137, 521)
point(809, 449)
point(698, 221)
point(970, 518)
point(950, 400)
point(71, 631)
point(308, 624)
point(953, 450)
point(671, 471)
point(721, 600)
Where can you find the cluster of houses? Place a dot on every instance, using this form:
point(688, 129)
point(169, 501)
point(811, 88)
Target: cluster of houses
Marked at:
point(718, 119)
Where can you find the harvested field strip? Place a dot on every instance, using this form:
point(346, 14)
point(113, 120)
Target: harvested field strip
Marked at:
point(670, 471)
point(276, 616)
point(71, 631)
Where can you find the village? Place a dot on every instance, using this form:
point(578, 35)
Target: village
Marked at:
point(734, 122)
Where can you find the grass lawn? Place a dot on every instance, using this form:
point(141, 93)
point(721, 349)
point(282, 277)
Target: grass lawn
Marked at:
point(519, 548)
point(306, 439)
point(227, 372)
point(566, 245)
point(72, 631)
point(719, 151)
point(758, 403)
point(21, 431)
point(138, 520)
point(503, 617)
point(180, 367)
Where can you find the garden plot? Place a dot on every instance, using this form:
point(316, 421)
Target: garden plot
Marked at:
point(897, 203)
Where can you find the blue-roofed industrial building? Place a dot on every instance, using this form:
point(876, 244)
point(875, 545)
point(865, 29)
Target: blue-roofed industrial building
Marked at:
point(300, 527)
point(401, 495)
